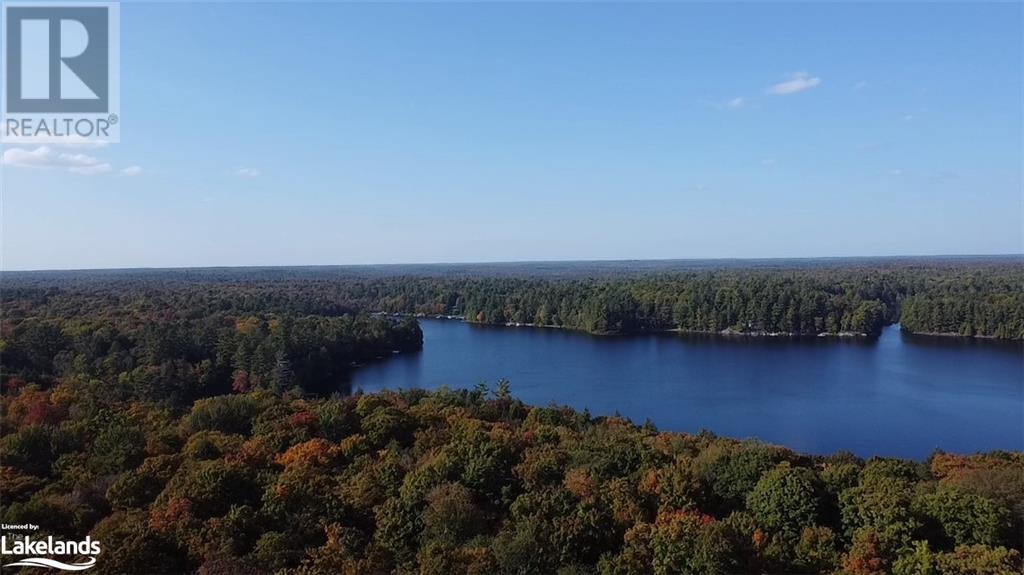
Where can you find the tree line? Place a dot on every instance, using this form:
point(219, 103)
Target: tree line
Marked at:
point(967, 297)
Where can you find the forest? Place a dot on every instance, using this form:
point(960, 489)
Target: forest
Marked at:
point(475, 482)
point(196, 421)
point(973, 297)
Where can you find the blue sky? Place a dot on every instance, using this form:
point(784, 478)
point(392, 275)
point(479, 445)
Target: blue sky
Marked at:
point(318, 133)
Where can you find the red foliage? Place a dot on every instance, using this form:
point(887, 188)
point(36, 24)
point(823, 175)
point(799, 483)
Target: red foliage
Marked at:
point(42, 412)
point(14, 384)
point(165, 519)
point(304, 419)
point(701, 519)
point(240, 384)
point(33, 407)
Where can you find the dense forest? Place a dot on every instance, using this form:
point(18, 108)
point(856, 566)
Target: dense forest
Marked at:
point(475, 482)
point(157, 357)
point(951, 296)
point(190, 422)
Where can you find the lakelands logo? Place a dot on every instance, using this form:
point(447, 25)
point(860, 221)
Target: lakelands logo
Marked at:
point(61, 72)
point(23, 546)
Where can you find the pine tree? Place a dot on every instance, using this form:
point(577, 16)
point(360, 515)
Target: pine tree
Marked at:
point(282, 376)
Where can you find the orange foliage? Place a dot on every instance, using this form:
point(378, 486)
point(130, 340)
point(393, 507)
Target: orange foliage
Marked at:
point(580, 484)
point(34, 407)
point(951, 466)
point(164, 519)
point(247, 325)
point(313, 453)
point(865, 556)
point(649, 483)
point(669, 517)
point(253, 453)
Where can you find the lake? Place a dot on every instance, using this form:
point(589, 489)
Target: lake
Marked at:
point(898, 395)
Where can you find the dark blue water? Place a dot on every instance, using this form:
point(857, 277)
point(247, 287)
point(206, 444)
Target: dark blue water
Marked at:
point(897, 396)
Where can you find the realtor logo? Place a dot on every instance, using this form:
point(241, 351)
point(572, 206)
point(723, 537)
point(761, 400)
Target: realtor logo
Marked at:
point(57, 59)
point(61, 71)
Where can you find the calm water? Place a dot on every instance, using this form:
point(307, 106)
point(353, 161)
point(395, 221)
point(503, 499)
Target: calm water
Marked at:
point(899, 395)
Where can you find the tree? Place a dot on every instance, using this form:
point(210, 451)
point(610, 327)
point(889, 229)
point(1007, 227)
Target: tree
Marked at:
point(451, 517)
point(785, 500)
point(282, 377)
point(964, 518)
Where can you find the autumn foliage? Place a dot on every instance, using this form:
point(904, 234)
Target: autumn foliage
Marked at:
point(476, 482)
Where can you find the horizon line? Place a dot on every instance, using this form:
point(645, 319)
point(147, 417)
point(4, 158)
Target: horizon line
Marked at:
point(519, 262)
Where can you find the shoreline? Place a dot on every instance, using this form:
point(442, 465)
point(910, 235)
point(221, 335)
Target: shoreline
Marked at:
point(953, 335)
point(675, 330)
point(728, 332)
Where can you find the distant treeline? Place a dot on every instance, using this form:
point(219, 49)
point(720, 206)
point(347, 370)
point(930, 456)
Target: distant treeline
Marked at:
point(966, 310)
point(970, 297)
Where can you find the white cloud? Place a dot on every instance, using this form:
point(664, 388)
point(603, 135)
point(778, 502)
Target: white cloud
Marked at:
point(92, 170)
point(248, 172)
point(731, 104)
point(131, 171)
point(46, 157)
point(797, 82)
point(78, 160)
point(41, 157)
